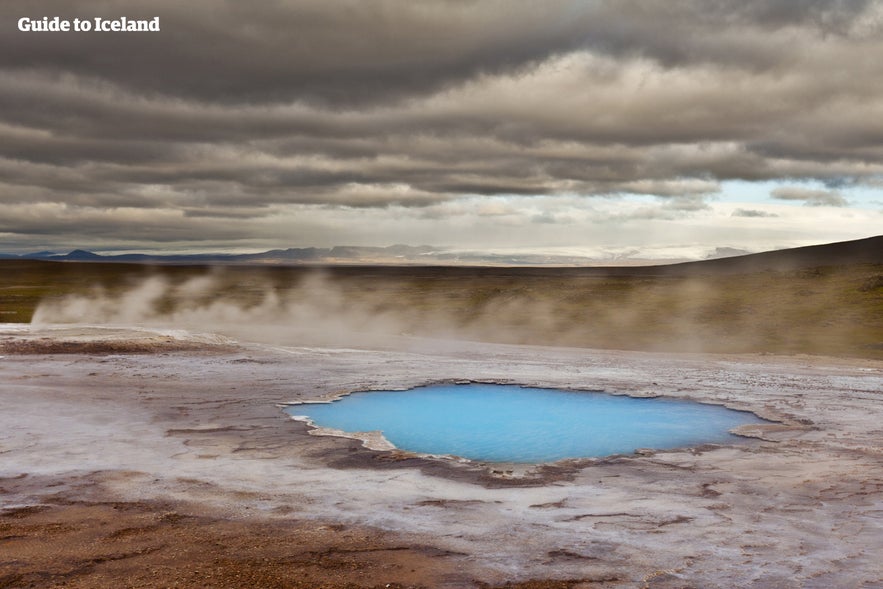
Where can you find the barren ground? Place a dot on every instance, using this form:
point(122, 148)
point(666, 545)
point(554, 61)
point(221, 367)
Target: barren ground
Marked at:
point(148, 459)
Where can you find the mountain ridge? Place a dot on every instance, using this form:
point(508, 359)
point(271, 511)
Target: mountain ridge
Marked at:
point(866, 250)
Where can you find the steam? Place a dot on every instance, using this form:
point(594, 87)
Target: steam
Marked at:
point(691, 314)
point(314, 311)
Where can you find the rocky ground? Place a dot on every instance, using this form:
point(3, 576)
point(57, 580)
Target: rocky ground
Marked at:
point(162, 459)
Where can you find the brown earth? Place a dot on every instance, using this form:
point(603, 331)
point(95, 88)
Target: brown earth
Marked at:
point(53, 346)
point(146, 544)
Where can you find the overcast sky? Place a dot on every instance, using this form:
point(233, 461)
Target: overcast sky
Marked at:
point(662, 127)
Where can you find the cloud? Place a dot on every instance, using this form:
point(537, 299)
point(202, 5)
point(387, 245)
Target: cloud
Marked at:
point(815, 198)
point(675, 188)
point(753, 213)
point(238, 110)
point(350, 52)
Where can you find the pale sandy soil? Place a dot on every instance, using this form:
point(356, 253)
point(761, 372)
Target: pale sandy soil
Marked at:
point(164, 459)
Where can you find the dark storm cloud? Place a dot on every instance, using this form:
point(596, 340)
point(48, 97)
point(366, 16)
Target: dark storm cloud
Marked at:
point(330, 52)
point(350, 51)
point(235, 108)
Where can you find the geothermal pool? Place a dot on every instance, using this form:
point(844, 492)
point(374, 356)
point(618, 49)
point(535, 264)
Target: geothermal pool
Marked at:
point(508, 423)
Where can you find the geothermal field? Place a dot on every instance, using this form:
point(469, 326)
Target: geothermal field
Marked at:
point(441, 294)
point(144, 440)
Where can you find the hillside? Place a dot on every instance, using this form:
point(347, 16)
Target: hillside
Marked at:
point(860, 251)
point(817, 300)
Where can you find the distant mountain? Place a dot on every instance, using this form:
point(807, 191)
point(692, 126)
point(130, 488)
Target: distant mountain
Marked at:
point(338, 254)
point(82, 256)
point(722, 260)
point(78, 255)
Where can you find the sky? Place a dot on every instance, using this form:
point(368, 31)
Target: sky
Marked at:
point(646, 128)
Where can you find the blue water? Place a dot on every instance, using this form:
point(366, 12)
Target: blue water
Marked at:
point(506, 423)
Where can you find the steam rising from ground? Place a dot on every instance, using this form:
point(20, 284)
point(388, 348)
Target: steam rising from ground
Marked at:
point(728, 314)
point(315, 311)
point(320, 310)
